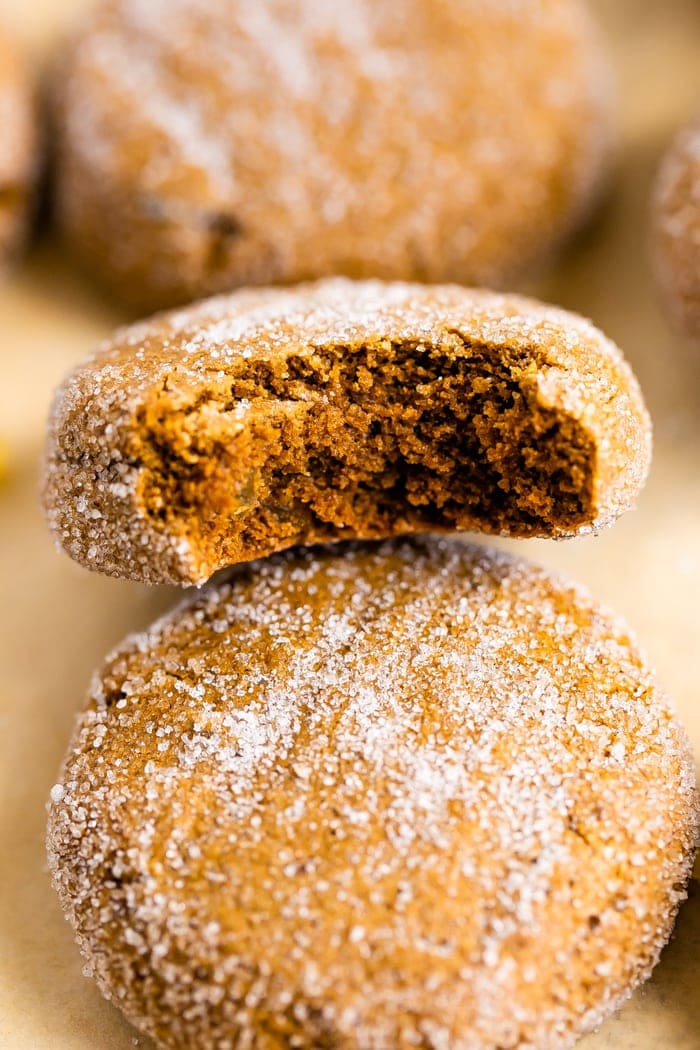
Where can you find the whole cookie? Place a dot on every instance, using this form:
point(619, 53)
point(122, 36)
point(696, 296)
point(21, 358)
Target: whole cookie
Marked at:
point(410, 795)
point(19, 150)
point(676, 228)
point(255, 421)
point(206, 145)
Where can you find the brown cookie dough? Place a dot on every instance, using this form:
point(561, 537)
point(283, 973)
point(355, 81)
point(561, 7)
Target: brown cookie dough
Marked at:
point(410, 795)
point(19, 152)
point(207, 145)
point(676, 229)
point(256, 421)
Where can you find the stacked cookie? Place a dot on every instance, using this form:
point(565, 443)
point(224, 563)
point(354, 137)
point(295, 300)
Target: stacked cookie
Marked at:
point(375, 786)
point(392, 791)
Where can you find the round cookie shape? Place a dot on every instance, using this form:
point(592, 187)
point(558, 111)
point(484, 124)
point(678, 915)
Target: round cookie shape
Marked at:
point(19, 152)
point(676, 229)
point(204, 146)
point(267, 418)
point(398, 795)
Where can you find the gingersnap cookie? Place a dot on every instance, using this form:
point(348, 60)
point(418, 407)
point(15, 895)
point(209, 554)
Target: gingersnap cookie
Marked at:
point(676, 229)
point(399, 795)
point(204, 146)
point(18, 152)
point(256, 421)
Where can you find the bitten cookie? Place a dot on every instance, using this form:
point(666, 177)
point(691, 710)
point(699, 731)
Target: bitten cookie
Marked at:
point(415, 794)
point(19, 152)
point(253, 422)
point(206, 145)
point(676, 229)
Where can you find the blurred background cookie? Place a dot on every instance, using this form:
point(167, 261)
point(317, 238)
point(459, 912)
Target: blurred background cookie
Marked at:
point(19, 151)
point(416, 794)
point(676, 228)
point(204, 145)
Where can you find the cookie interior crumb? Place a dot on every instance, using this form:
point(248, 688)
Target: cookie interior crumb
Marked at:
point(391, 435)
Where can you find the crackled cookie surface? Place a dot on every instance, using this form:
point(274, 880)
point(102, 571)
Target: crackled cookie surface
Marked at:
point(206, 145)
point(676, 218)
point(18, 151)
point(415, 794)
point(251, 422)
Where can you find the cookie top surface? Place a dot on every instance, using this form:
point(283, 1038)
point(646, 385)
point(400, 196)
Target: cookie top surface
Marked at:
point(410, 794)
point(206, 145)
point(19, 150)
point(255, 421)
point(676, 228)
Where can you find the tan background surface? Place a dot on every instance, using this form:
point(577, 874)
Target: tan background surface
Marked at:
point(57, 621)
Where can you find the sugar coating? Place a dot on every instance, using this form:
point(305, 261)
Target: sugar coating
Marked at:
point(676, 228)
point(204, 146)
point(417, 794)
point(19, 151)
point(169, 450)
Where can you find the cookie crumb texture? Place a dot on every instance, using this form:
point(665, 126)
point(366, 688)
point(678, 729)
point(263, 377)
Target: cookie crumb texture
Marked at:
point(252, 422)
point(205, 145)
point(676, 229)
point(19, 152)
point(409, 795)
